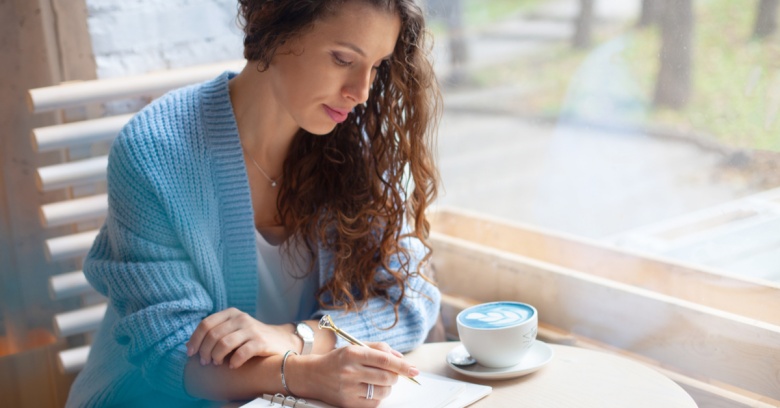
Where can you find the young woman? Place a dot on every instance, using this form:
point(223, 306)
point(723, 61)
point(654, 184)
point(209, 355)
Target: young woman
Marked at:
point(243, 209)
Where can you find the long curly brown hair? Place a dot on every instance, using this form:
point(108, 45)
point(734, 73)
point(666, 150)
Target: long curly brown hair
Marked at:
point(356, 189)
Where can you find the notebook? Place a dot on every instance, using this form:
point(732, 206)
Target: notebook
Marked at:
point(435, 392)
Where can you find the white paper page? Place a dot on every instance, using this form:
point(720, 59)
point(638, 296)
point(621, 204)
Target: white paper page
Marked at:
point(435, 392)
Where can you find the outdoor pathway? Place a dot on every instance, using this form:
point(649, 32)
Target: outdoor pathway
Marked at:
point(590, 182)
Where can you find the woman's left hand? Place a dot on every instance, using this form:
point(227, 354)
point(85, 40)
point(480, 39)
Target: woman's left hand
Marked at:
point(233, 331)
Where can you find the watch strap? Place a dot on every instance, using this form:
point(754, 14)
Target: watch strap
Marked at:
point(307, 335)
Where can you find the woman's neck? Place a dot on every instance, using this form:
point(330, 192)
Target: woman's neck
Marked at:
point(265, 128)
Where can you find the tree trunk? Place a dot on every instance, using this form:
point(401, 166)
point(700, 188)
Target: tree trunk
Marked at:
point(451, 13)
point(583, 25)
point(455, 31)
point(673, 86)
point(766, 18)
point(650, 13)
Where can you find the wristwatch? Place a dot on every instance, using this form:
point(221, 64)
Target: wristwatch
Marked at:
point(307, 335)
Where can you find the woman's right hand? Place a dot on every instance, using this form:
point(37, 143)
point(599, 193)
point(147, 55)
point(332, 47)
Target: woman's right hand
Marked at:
point(341, 377)
point(233, 331)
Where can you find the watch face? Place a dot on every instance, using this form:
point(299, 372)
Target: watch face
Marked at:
point(305, 331)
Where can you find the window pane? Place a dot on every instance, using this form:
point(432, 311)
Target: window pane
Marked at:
point(645, 127)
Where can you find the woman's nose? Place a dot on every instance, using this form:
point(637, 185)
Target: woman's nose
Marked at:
point(358, 86)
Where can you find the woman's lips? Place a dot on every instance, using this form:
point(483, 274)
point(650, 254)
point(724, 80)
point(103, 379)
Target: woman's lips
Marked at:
point(338, 115)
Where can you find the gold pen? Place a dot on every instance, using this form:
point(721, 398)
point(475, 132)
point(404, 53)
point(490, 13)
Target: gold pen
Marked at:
point(327, 323)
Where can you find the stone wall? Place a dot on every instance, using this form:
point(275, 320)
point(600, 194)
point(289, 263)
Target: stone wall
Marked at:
point(137, 36)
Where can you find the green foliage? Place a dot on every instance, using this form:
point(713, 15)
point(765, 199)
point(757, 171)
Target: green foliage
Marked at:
point(736, 80)
point(736, 94)
point(481, 12)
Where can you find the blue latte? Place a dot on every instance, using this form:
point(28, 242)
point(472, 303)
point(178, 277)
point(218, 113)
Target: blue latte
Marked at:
point(495, 315)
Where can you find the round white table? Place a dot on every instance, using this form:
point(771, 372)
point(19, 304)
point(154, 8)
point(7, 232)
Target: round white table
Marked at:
point(575, 377)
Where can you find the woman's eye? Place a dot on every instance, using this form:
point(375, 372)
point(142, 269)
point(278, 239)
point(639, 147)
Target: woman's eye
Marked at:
point(341, 61)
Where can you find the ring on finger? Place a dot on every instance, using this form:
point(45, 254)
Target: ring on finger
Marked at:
point(370, 392)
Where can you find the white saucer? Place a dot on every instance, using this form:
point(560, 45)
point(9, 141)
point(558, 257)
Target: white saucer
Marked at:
point(539, 355)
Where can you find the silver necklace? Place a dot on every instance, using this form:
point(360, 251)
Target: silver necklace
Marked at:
point(274, 183)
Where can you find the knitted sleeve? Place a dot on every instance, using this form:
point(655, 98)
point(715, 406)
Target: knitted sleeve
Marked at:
point(418, 310)
point(138, 263)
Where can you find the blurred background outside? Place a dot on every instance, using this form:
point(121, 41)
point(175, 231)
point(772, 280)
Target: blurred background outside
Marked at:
point(619, 121)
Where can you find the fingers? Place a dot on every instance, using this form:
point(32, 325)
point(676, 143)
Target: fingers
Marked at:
point(193, 345)
point(244, 352)
point(358, 395)
point(391, 362)
point(383, 360)
point(219, 335)
point(228, 344)
point(382, 346)
point(346, 373)
point(211, 330)
point(379, 392)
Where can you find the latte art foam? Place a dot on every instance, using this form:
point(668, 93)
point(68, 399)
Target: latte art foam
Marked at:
point(496, 315)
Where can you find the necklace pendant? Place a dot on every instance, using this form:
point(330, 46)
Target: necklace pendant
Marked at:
point(273, 184)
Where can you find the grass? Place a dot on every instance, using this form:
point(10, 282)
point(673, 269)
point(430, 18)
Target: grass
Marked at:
point(736, 80)
point(736, 92)
point(479, 13)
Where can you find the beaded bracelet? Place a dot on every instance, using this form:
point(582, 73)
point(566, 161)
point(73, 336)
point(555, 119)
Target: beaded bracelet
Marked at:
point(284, 361)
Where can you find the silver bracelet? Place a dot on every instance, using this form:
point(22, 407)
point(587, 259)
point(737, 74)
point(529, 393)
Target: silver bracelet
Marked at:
point(284, 382)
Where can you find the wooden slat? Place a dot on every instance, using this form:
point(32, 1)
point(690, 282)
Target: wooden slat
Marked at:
point(70, 284)
point(695, 340)
point(79, 321)
point(748, 297)
point(74, 211)
point(55, 137)
point(72, 361)
point(70, 246)
point(760, 265)
point(84, 92)
point(72, 173)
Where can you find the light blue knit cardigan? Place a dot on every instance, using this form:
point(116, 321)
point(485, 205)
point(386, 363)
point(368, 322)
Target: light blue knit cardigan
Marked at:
point(178, 244)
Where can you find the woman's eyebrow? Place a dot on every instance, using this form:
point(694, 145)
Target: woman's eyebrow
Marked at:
point(357, 49)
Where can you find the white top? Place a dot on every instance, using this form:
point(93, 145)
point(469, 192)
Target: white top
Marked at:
point(285, 291)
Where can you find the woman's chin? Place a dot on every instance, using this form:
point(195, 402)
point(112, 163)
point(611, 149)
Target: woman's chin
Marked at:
point(320, 130)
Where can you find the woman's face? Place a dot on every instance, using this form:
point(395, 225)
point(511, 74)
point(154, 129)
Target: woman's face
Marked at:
point(321, 75)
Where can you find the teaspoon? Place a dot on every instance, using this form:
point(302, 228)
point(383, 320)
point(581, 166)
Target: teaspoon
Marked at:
point(460, 357)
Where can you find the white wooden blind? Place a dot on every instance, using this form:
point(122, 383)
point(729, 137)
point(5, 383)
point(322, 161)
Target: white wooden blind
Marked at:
point(55, 137)
point(81, 93)
point(83, 172)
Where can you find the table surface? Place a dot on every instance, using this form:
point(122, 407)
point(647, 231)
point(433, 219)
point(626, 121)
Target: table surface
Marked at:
point(575, 377)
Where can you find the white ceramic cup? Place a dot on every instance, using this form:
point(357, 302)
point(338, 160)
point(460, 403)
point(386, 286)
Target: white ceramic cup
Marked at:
point(498, 334)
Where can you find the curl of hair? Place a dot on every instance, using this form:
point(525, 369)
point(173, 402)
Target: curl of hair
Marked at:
point(355, 189)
